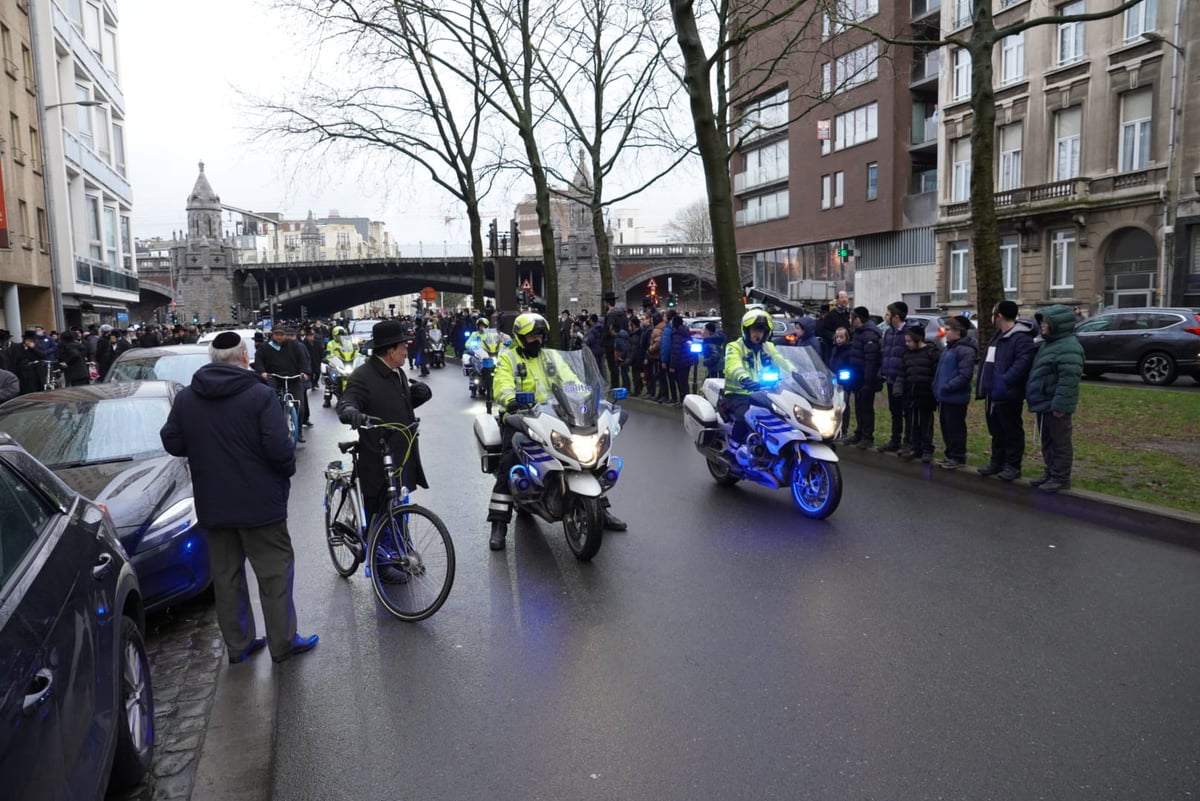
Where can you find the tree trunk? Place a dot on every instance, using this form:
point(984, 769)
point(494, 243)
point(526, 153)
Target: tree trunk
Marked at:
point(714, 157)
point(541, 191)
point(985, 240)
point(474, 222)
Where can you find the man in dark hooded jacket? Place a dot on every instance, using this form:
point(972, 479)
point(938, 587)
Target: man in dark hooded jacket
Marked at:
point(865, 359)
point(1003, 371)
point(230, 426)
point(1052, 392)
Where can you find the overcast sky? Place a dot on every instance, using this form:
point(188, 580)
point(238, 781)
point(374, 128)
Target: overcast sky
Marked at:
point(180, 63)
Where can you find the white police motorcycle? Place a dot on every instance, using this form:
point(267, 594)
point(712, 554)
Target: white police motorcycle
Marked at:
point(563, 447)
point(794, 415)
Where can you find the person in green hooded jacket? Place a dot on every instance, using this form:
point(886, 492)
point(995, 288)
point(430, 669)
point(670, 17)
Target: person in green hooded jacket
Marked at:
point(1052, 393)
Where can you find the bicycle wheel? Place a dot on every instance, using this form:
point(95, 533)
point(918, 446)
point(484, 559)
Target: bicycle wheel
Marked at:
point(411, 561)
point(293, 424)
point(341, 527)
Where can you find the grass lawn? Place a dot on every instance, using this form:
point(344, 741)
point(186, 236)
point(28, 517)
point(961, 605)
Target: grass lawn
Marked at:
point(1129, 442)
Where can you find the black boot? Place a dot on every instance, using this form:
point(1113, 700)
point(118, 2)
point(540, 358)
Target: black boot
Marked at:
point(499, 532)
point(613, 524)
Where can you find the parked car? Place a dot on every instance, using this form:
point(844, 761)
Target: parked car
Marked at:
point(102, 440)
point(1157, 344)
point(164, 363)
point(247, 335)
point(360, 330)
point(77, 706)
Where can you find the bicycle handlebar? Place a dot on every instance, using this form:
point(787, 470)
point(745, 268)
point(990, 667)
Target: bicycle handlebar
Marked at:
point(285, 377)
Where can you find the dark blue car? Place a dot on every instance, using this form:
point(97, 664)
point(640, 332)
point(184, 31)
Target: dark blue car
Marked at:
point(102, 440)
point(76, 707)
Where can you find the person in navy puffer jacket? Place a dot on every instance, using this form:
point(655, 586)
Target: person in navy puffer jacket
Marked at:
point(231, 428)
point(1003, 372)
point(952, 388)
point(895, 322)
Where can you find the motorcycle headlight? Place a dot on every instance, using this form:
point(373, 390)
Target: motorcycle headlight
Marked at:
point(804, 415)
point(827, 422)
point(175, 520)
point(585, 449)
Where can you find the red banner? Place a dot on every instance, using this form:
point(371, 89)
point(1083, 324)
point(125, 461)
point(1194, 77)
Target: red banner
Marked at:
point(4, 243)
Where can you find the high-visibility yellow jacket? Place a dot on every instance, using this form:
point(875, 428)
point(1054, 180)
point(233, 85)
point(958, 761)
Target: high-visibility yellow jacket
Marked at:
point(742, 361)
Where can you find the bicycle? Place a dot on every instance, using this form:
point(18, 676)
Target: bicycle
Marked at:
point(52, 375)
point(291, 406)
point(407, 549)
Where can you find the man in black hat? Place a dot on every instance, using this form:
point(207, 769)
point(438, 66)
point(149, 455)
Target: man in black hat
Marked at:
point(27, 362)
point(230, 427)
point(380, 389)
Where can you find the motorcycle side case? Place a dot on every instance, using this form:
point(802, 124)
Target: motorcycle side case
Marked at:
point(487, 440)
point(698, 415)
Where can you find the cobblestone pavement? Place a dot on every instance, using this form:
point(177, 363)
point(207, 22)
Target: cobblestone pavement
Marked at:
point(185, 650)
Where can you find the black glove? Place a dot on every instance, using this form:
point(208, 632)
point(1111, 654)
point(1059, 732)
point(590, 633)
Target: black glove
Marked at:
point(353, 417)
point(512, 406)
point(749, 384)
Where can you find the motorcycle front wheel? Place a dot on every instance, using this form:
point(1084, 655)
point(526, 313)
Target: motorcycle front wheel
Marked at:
point(583, 523)
point(816, 487)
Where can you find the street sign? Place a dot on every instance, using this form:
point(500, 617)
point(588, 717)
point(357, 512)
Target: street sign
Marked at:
point(652, 285)
point(526, 286)
point(428, 293)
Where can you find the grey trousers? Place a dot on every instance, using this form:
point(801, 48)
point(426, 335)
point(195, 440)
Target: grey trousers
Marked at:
point(269, 549)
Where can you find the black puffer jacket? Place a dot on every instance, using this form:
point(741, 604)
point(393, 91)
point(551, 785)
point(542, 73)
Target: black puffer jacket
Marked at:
point(893, 352)
point(915, 381)
point(865, 357)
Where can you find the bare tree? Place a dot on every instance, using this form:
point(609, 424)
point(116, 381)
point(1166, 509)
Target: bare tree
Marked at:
point(610, 97)
point(979, 42)
point(403, 102)
point(691, 224)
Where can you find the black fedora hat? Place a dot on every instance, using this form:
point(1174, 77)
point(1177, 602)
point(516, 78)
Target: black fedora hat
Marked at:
point(386, 334)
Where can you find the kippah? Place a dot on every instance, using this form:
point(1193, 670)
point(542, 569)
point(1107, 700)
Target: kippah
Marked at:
point(226, 340)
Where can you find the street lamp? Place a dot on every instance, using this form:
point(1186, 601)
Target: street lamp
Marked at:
point(89, 103)
point(1165, 278)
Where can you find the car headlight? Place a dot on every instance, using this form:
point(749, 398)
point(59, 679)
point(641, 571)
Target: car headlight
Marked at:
point(175, 520)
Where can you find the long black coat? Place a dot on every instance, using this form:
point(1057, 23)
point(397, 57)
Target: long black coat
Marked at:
point(375, 390)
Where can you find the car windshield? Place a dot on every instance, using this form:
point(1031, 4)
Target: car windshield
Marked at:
point(163, 368)
point(76, 433)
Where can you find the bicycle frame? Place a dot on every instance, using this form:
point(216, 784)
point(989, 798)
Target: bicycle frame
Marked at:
point(285, 395)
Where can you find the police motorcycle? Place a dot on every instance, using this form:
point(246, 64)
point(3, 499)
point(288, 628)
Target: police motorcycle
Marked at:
point(480, 361)
point(563, 447)
point(435, 350)
point(341, 359)
point(795, 413)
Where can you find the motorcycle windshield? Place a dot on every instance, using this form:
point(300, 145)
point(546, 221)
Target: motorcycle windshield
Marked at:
point(575, 386)
point(435, 335)
point(491, 340)
point(806, 375)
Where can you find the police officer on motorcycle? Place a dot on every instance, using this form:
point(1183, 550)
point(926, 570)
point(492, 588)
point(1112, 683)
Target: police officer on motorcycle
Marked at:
point(520, 369)
point(341, 346)
point(745, 360)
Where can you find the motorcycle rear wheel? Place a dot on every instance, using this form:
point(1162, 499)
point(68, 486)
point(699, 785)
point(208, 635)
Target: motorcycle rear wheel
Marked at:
point(721, 473)
point(583, 523)
point(816, 487)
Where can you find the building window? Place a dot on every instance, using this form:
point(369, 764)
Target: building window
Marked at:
point(1012, 59)
point(95, 248)
point(43, 231)
point(1135, 130)
point(962, 13)
point(119, 148)
point(1010, 253)
point(23, 221)
point(1067, 125)
point(758, 209)
point(826, 79)
point(839, 188)
point(764, 165)
point(1139, 20)
point(960, 182)
point(958, 271)
point(857, 126)
point(1062, 263)
point(847, 11)
point(764, 116)
point(872, 180)
point(1010, 157)
point(110, 236)
point(962, 74)
point(826, 191)
point(857, 67)
point(1070, 34)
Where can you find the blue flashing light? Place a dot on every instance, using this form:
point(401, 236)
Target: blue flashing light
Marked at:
point(489, 363)
point(770, 377)
point(189, 545)
point(843, 375)
point(533, 471)
point(101, 611)
point(620, 393)
point(696, 347)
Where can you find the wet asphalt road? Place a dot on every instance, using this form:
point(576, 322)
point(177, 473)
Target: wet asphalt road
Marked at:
point(913, 646)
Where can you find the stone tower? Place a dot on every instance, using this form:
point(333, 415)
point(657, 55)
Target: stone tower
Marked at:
point(202, 261)
point(310, 240)
point(579, 265)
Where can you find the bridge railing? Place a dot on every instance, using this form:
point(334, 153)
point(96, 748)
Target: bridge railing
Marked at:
point(666, 250)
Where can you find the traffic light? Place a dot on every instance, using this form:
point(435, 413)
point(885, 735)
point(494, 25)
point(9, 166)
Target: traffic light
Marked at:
point(671, 300)
point(195, 319)
point(493, 238)
point(234, 309)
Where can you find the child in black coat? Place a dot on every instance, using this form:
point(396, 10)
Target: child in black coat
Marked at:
point(839, 360)
point(915, 385)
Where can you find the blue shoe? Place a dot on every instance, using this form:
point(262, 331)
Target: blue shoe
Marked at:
point(254, 647)
point(299, 645)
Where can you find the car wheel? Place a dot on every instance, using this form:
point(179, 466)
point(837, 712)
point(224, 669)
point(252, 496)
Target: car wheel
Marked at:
point(135, 717)
point(1092, 372)
point(1157, 368)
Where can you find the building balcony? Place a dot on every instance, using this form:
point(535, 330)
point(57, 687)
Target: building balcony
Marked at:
point(100, 275)
point(925, 70)
point(922, 9)
point(1031, 199)
point(756, 179)
point(924, 135)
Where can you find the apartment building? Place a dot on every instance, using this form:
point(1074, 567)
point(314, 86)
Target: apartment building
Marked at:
point(1093, 157)
point(835, 178)
point(89, 199)
point(26, 283)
